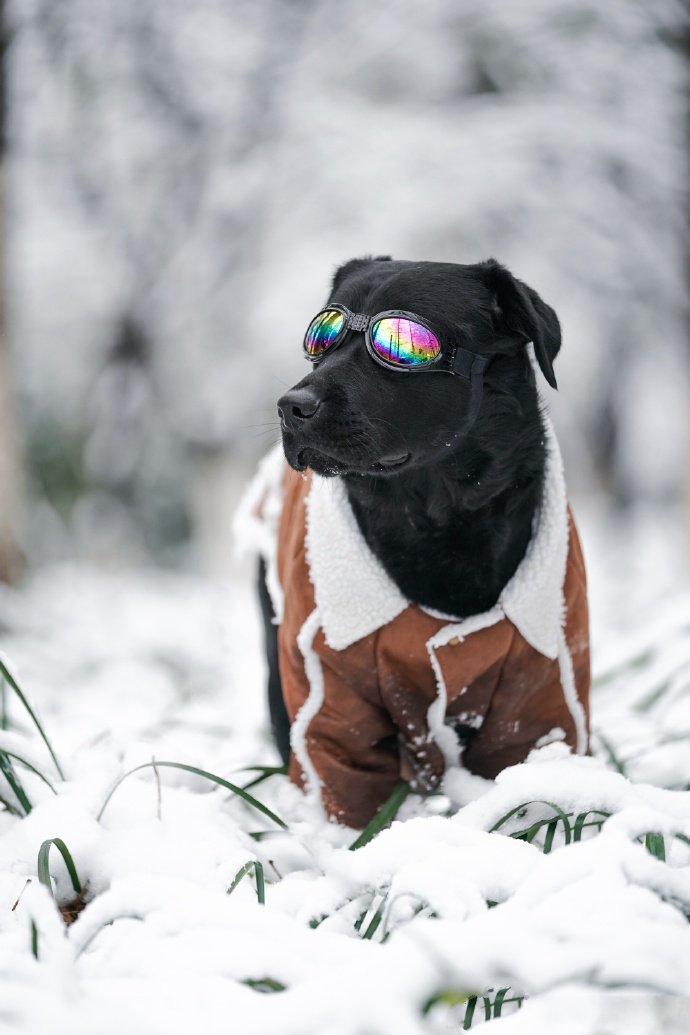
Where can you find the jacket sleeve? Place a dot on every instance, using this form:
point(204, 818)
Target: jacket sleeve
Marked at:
point(528, 707)
point(343, 740)
point(531, 705)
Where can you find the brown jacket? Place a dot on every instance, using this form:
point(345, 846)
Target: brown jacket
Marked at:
point(378, 687)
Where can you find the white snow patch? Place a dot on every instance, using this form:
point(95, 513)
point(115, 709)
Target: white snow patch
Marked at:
point(125, 669)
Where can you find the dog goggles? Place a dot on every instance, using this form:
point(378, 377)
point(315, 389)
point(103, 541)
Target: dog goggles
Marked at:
point(397, 340)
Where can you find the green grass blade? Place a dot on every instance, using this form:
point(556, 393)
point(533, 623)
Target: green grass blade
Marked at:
point(250, 799)
point(548, 840)
point(499, 1000)
point(651, 698)
point(43, 866)
point(260, 883)
point(5, 672)
point(4, 718)
point(385, 815)
point(30, 767)
point(360, 920)
point(655, 845)
point(578, 826)
point(530, 833)
point(567, 829)
point(509, 815)
point(582, 821)
point(374, 922)
point(7, 770)
point(258, 869)
point(469, 1012)
point(563, 816)
point(241, 873)
point(264, 771)
point(266, 984)
point(613, 758)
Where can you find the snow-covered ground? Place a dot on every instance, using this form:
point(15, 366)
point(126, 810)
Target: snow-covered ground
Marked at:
point(395, 938)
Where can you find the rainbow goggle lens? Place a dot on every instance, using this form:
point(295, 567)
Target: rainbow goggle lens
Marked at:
point(393, 338)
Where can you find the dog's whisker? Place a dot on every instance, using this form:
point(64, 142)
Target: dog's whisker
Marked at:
point(262, 424)
point(263, 436)
point(284, 384)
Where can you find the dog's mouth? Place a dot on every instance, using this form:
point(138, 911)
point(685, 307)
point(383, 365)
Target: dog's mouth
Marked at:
point(390, 462)
point(330, 466)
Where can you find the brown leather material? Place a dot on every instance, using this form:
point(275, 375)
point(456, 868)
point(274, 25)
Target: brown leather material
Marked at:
point(371, 729)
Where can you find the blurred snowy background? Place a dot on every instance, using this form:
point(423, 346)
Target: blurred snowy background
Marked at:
point(181, 179)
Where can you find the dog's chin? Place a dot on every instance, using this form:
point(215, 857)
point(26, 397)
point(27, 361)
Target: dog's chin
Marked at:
point(300, 458)
point(333, 467)
point(320, 463)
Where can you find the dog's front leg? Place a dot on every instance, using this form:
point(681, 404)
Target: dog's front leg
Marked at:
point(344, 744)
point(419, 764)
point(422, 762)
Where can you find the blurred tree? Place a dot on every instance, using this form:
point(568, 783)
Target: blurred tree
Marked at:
point(11, 481)
point(188, 174)
point(142, 140)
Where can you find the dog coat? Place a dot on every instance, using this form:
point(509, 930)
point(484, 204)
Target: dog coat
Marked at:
point(378, 687)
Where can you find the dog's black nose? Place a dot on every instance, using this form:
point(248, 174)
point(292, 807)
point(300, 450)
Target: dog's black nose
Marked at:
point(298, 404)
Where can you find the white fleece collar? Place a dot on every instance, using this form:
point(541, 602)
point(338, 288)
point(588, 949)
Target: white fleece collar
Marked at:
point(353, 593)
point(355, 596)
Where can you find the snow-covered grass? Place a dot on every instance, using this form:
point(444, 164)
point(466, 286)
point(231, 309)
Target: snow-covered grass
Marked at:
point(565, 883)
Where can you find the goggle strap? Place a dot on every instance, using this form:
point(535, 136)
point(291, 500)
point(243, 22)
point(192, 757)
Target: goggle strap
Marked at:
point(463, 362)
point(471, 366)
point(477, 389)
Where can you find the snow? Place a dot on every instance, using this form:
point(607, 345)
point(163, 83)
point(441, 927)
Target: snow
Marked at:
point(132, 666)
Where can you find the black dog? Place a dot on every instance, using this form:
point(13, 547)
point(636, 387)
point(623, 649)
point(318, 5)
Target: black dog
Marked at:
point(447, 507)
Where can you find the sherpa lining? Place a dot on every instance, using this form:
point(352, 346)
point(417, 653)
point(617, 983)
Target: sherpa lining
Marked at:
point(310, 708)
point(355, 596)
point(255, 524)
point(533, 598)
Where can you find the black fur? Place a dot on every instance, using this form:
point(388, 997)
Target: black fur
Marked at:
point(447, 509)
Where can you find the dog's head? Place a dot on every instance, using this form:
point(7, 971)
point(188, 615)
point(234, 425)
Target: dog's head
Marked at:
point(350, 415)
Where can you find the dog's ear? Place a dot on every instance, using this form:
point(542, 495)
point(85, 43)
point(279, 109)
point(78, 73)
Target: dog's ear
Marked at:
point(352, 266)
point(521, 309)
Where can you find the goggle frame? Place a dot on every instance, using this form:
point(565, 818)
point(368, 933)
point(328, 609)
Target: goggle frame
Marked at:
point(451, 360)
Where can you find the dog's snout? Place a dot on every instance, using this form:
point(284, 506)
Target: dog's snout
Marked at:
point(298, 404)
